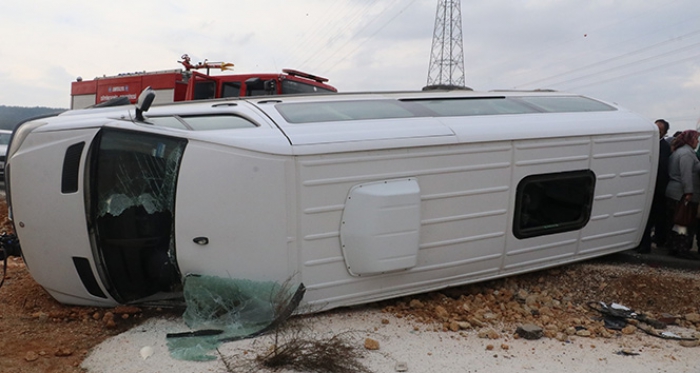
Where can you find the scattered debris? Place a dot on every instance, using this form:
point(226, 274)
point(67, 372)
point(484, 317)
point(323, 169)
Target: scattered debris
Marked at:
point(668, 319)
point(693, 343)
point(31, 356)
point(663, 335)
point(626, 352)
point(63, 352)
point(529, 331)
point(617, 315)
point(371, 344)
point(401, 366)
point(693, 317)
point(146, 352)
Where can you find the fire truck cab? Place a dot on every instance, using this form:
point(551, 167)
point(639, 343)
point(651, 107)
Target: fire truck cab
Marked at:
point(187, 85)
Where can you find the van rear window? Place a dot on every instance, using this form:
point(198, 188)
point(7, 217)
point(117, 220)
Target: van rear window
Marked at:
point(333, 111)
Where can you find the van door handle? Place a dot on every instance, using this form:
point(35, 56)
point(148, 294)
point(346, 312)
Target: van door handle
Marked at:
point(200, 240)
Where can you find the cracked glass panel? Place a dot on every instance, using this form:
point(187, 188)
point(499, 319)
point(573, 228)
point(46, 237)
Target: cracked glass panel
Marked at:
point(222, 310)
point(134, 177)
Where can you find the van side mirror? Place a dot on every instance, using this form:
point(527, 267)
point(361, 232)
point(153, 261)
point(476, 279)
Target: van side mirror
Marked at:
point(144, 102)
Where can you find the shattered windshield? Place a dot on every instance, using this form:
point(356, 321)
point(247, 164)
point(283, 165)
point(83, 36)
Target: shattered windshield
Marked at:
point(137, 170)
point(133, 180)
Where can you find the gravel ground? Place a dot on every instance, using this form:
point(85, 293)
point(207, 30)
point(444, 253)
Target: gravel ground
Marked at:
point(422, 350)
point(472, 328)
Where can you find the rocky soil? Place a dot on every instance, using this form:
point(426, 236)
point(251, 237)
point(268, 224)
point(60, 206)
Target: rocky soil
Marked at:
point(557, 300)
point(40, 335)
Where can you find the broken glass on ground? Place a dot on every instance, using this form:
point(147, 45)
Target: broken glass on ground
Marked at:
point(616, 317)
point(222, 310)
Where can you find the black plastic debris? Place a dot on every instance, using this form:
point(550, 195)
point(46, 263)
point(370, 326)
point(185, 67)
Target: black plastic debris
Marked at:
point(616, 311)
point(616, 317)
point(614, 323)
point(626, 353)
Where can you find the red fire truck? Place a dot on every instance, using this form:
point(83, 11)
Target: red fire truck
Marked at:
point(187, 84)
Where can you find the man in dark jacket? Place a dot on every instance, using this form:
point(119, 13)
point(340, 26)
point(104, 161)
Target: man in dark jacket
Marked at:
point(658, 219)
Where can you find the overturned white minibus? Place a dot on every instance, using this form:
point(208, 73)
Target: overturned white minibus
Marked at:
point(360, 197)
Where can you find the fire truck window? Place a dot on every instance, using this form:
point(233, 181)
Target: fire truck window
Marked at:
point(258, 92)
point(204, 90)
point(231, 89)
point(292, 87)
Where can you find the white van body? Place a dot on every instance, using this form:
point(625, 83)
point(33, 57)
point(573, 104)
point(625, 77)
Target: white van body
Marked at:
point(360, 197)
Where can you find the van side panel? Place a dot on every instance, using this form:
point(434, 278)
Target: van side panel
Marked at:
point(464, 192)
point(626, 169)
point(467, 196)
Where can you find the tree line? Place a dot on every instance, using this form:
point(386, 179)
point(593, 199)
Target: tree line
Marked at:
point(11, 116)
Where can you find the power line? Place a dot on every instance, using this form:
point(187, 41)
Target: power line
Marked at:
point(366, 39)
point(542, 51)
point(637, 72)
point(341, 27)
point(629, 54)
point(647, 59)
point(311, 35)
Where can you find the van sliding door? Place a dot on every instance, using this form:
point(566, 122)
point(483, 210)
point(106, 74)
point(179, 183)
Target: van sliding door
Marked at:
point(132, 198)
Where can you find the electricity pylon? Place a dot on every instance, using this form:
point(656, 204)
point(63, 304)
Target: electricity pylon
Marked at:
point(447, 52)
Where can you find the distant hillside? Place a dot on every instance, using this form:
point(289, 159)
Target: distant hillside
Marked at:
point(11, 116)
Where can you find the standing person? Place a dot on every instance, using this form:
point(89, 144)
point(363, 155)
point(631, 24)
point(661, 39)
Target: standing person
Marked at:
point(670, 138)
point(683, 185)
point(658, 218)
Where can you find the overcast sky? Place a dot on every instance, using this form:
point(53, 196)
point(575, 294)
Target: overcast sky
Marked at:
point(644, 55)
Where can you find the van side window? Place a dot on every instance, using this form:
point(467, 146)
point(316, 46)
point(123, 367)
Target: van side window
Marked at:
point(553, 203)
point(333, 111)
point(202, 122)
